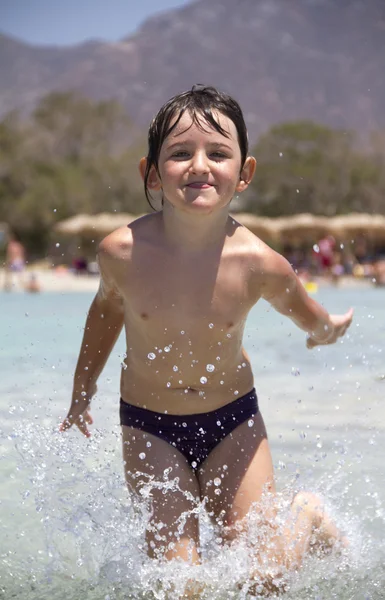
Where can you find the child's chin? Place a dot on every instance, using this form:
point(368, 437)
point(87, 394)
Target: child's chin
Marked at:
point(202, 205)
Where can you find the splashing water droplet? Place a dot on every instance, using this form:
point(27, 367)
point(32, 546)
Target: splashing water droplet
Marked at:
point(219, 423)
point(175, 368)
point(182, 332)
point(316, 248)
point(148, 444)
point(221, 382)
point(250, 422)
point(217, 481)
point(211, 325)
point(168, 384)
point(217, 492)
point(236, 392)
point(142, 456)
point(295, 371)
point(210, 368)
point(167, 348)
point(151, 355)
point(203, 380)
point(194, 464)
point(57, 245)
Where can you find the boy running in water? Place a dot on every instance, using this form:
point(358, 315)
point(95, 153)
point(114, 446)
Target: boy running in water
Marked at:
point(182, 282)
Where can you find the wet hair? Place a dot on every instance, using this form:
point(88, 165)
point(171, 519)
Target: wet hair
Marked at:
point(201, 102)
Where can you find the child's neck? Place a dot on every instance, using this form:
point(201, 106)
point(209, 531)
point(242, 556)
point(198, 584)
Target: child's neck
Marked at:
point(194, 232)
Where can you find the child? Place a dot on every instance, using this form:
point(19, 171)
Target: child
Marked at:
point(182, 281)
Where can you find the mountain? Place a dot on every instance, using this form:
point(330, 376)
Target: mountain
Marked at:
point(282, 59)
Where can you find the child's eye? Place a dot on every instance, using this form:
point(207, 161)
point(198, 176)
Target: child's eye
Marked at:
point(218, 155)
point(180, 154)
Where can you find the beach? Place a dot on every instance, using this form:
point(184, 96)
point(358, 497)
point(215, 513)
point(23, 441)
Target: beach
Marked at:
point(64, 280)
point(56, 280)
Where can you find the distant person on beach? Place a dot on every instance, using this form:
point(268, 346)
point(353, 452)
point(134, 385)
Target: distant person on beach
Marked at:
point(33, 286)
point(182, 281)
point(379, 272)
point(326, 248)
point(14, 262)
point(80, 265)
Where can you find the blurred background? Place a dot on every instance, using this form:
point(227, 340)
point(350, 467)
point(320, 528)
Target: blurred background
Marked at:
point(81, 80)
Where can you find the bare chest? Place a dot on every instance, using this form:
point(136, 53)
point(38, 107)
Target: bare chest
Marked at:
point(165, 291)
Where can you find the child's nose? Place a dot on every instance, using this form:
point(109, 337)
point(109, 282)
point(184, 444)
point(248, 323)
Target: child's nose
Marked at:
point(199, 163)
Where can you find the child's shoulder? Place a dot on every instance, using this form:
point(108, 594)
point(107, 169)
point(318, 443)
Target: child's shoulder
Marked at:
point(118, 244)
point(264, 260)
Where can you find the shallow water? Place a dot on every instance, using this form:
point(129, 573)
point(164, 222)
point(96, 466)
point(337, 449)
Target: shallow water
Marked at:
point(68, 528)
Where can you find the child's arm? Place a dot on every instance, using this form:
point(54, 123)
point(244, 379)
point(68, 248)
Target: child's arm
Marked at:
point(284, 291)
point(103, 326)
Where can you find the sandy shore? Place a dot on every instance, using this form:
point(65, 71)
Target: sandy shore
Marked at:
point(65, 281)
point(55, 281)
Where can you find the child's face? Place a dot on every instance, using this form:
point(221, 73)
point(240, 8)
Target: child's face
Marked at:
point(199, 168)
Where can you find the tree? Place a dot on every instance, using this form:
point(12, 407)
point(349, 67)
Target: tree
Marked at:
point(307, 167)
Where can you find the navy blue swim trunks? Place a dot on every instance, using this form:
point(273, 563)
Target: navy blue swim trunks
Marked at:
point(195, 436)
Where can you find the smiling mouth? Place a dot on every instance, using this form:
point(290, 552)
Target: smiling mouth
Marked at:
point(199, 185)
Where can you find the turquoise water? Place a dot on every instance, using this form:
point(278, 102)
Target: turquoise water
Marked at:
point(67, 525)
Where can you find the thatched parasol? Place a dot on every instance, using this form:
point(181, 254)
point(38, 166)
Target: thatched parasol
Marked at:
point(263, 227)
point(104, 223)
point(302, 228)
point(349, 226)
point(99, 225)
point(73, 226)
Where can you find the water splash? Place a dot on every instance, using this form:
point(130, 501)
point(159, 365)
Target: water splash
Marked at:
point(87, 534)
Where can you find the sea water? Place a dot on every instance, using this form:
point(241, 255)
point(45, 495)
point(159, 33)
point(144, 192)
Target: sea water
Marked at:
point(70, 530)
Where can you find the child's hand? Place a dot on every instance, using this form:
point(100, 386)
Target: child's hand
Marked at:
point(340, 323)
point(81, 421)
point(79, 415)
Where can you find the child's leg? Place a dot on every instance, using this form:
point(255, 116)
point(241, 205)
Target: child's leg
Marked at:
point(173, 531)
point(242, 462)
point(308, 528)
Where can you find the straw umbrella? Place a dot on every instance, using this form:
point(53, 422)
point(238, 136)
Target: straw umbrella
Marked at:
point(303, 228)
point(73, 226)
point(263, 227)
point(348, 227)
point(93, 225)
point(104, 223)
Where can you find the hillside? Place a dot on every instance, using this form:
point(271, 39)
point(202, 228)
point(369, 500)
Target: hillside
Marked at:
point(282, 59)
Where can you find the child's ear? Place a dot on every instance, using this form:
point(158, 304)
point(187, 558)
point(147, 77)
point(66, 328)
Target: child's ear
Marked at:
point(153, 182)
point(247, 174)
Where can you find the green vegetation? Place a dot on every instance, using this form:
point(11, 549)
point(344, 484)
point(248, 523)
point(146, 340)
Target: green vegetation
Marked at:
point(72, 156)
point(307, 167)
point(76, 156)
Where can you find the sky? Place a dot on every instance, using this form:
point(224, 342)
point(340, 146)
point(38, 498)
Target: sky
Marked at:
point(66, 22)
